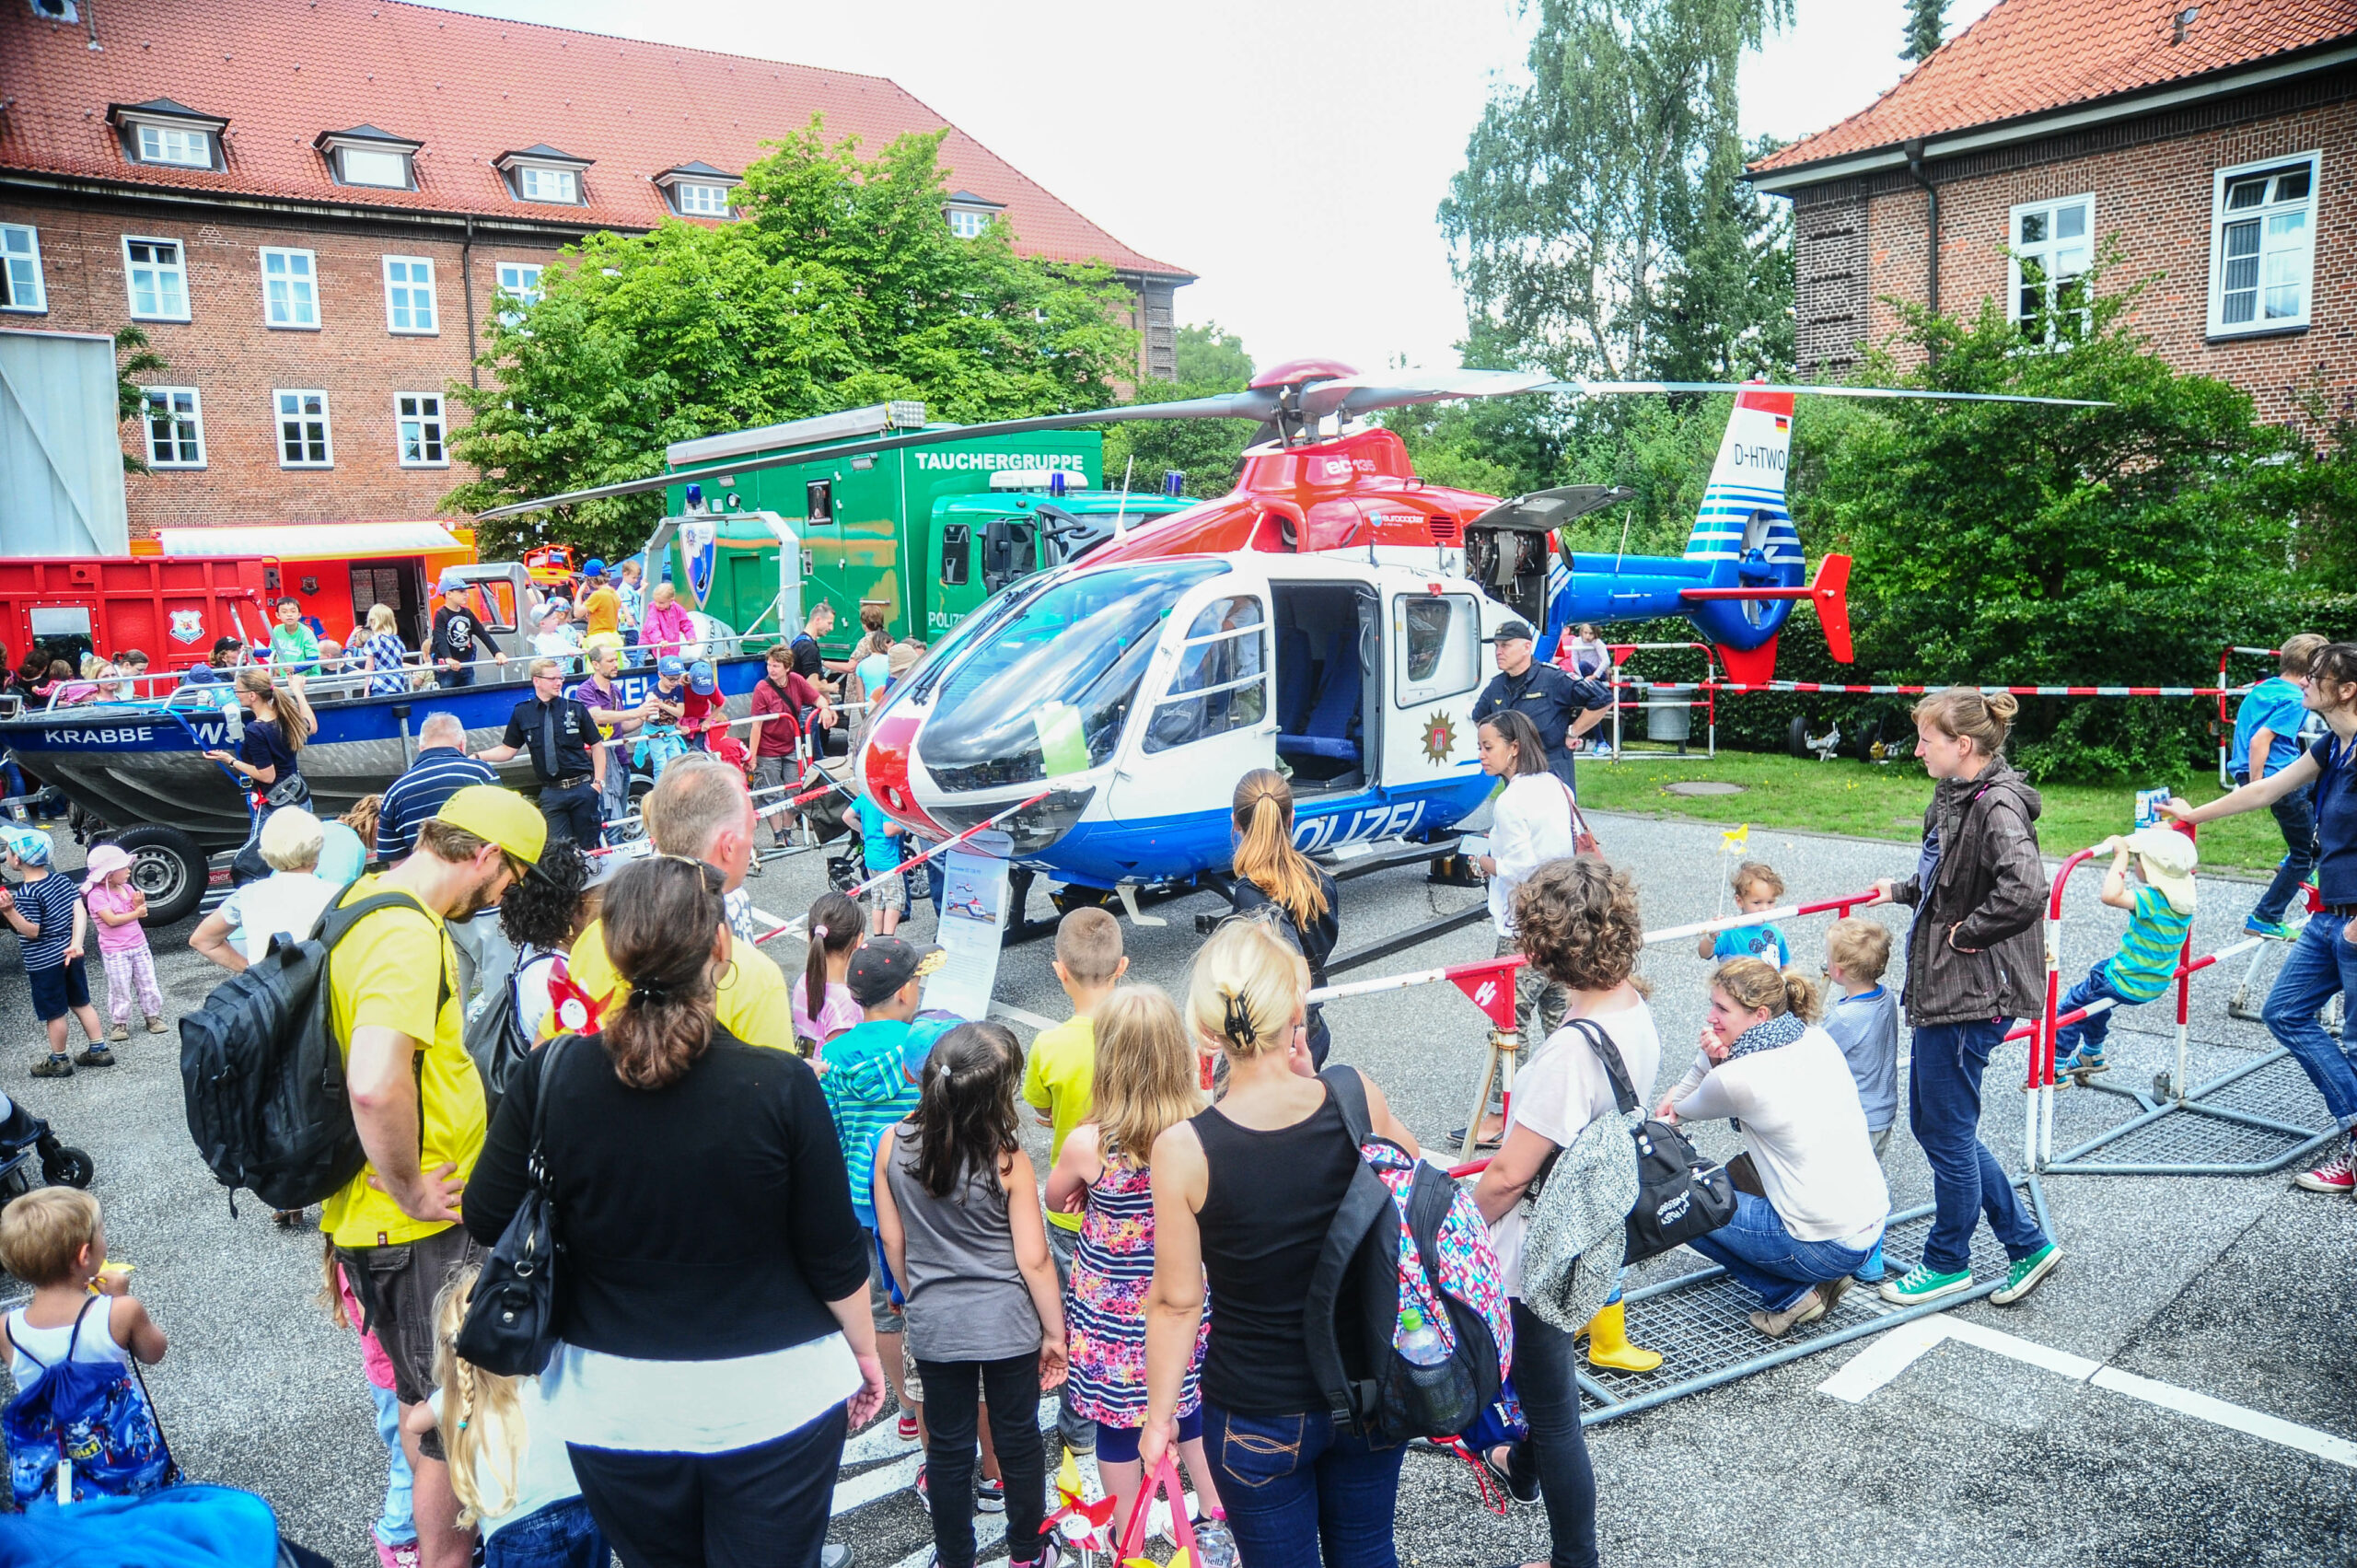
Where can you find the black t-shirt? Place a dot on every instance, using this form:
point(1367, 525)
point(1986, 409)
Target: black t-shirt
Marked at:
point(265, 747)
point(455, 633)
point(725, 1235)
point(807, 662)
point(576, 733)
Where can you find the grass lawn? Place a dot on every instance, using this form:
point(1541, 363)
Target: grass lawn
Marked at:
point(1887, 802)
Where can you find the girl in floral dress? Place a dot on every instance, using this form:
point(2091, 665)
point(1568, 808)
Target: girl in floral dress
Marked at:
point(1145, 1082)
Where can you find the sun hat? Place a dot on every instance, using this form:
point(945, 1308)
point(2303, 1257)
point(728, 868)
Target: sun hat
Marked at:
point(105, 860)
point(2168, 858)
point(903, 659)
point(29, 844)
point(498, 816)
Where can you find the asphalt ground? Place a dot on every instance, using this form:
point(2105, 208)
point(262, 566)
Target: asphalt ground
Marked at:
point(2234, 1288)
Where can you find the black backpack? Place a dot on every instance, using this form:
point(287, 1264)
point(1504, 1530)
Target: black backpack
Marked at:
point(265, 1077)
point(1680, 1195)
point(495, 1039)
point(1352, 1307)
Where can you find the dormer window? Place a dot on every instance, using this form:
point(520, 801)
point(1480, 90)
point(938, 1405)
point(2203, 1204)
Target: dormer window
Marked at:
point(698, 191)
point(172, 134)
point(367, 155)
point(969, 214)
point(543, 174)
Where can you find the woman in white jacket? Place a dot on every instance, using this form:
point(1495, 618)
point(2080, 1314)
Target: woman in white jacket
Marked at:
point(1764, 1063)
point(1530, 824)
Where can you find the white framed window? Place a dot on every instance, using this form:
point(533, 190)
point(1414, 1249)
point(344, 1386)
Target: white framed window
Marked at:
point(2262, 247)
point(1439, 641)
point(2053, 246)
point(303, 428)
point(418, 416)
point(21, 280)
point(409, 295)
point(537, 185)
point(180, 144)
point(701, 200)
point(373, 166)
point(968, 225)
point(520, 281)
point(175, 427)
point(290, 289)
point(156, 272)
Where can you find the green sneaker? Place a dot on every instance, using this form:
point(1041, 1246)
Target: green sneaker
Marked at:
point(2022, 1277)
point(2273, 930)
point(1922, 1284)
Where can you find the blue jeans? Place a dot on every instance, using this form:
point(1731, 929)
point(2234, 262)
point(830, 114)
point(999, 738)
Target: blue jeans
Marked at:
point(2296, 814)
point(1944, 1111)
point(2097, 1026)
point(2320, 963)
point(1761, 1254)
point(1546, 1377)
point(561, 1535)
point(394, 1526)
point(1299, 1492)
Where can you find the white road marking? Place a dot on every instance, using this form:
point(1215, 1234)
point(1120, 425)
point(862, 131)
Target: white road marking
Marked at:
point(1028, 1018)
point(1892, 1353)
point(861, 1489)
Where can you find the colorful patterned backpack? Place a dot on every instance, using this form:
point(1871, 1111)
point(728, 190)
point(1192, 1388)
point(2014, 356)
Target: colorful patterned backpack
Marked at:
point(1406, 1239)
point(89, 1416)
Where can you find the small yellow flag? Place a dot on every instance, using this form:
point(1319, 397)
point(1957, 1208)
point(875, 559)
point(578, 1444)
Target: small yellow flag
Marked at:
point(1068, 1475)
point(1737, 839)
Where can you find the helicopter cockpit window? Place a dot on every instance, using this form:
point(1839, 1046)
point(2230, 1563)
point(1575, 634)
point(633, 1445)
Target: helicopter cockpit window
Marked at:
point(1224, 665)
point(1047, 691)
point(1439, 639)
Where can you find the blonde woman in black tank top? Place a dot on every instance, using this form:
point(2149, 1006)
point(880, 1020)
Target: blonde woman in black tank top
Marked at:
point(1244, 1193)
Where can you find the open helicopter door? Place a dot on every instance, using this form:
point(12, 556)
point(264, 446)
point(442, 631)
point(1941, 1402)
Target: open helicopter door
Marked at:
point(1209, 717)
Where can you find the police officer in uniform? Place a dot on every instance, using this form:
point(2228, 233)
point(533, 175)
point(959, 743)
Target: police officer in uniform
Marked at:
point(563, 739)
point(1549, 698)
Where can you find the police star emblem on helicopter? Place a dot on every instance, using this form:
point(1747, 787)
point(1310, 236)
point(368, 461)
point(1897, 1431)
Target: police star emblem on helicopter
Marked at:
point(1440, 735)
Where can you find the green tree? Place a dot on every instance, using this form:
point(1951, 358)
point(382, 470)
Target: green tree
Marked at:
point(1725, 305)
point(2013, 543)
point(1211, 361)
point(1580, 186)
point(1926, 19)
point(130, 397)
point(841, 286)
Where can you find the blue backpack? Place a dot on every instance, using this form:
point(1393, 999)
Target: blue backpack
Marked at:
point(90, 1415)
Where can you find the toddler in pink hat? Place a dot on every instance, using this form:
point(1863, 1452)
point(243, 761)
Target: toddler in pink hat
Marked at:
point(116, 909)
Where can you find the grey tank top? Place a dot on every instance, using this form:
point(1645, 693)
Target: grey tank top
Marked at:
point(966, 1297)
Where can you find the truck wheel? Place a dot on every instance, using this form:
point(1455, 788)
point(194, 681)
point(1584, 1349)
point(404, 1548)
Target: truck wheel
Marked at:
point(166, 866)
point(1796, 737)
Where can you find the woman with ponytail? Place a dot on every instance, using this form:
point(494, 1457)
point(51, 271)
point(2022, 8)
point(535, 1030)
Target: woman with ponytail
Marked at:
point(713, 1306)
point(1765, 1063)
point(1271, 873)
point(267, 761)
point(1244, 1193)
point(1975, 959)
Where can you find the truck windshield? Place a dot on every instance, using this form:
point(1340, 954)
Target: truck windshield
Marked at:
point(1048, 689)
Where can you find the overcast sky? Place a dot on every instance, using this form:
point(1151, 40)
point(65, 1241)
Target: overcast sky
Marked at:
point(1293, 166)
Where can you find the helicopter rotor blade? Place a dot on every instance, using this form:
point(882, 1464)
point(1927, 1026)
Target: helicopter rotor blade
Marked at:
point(1608, 388)
point(1260, 404)
point(1364, 394)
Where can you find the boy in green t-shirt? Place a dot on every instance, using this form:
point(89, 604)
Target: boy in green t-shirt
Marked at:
point(2160, 913)
point(1056, 1084)
point(294, 649)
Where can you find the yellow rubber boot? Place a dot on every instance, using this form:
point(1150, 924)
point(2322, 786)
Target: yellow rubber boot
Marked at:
point(1608, 1342)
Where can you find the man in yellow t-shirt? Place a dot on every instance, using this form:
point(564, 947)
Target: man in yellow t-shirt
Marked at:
point(394, 1009)
point(1058, 1082)
point(701, 809)
point(601, 608)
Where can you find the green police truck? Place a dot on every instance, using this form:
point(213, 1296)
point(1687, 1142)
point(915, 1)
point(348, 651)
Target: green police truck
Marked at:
point(925, 534)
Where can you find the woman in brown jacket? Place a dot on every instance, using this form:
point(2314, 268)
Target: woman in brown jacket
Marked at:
point(1973, 961)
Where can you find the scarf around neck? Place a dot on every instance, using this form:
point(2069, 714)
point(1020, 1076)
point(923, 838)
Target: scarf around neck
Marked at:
point(1782, 1029)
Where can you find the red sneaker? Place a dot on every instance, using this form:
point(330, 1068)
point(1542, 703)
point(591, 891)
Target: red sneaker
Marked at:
point(2337, 1175)
point(906, 1430)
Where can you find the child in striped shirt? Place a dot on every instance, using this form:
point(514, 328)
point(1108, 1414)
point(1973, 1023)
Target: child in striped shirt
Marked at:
point(2160, 908)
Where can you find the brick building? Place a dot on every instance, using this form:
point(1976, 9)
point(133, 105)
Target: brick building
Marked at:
point(312, 206)
point(2216, 140)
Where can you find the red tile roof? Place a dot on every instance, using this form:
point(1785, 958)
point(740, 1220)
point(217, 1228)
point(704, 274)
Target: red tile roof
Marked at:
point(471, 88)
point(2029, 57)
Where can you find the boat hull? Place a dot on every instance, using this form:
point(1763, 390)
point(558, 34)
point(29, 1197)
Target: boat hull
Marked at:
point(129, 763)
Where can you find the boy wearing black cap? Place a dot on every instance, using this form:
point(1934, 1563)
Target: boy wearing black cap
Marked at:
point(869, 1082)
point(1549, 698)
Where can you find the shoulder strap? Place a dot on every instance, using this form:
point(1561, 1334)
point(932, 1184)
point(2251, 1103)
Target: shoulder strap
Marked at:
point(17, 1326)
point(74, 1339)
point(538, 1167)
point(1350, 1098)
point(1624, 1093)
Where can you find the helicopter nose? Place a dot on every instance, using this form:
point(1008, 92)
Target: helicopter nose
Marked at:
point(885, 766)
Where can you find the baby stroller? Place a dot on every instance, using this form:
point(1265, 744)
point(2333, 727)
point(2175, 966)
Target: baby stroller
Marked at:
point(23, 1135)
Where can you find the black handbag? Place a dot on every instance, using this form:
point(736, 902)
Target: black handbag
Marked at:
point(1680, 1195)
point(511, 1322)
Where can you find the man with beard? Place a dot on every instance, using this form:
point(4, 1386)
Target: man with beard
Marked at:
point(394, 1007)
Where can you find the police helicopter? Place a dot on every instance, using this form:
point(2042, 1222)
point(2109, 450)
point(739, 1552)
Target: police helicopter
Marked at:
point(1333, 617)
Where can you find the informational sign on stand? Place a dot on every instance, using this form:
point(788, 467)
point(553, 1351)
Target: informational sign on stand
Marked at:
point(973, 926)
